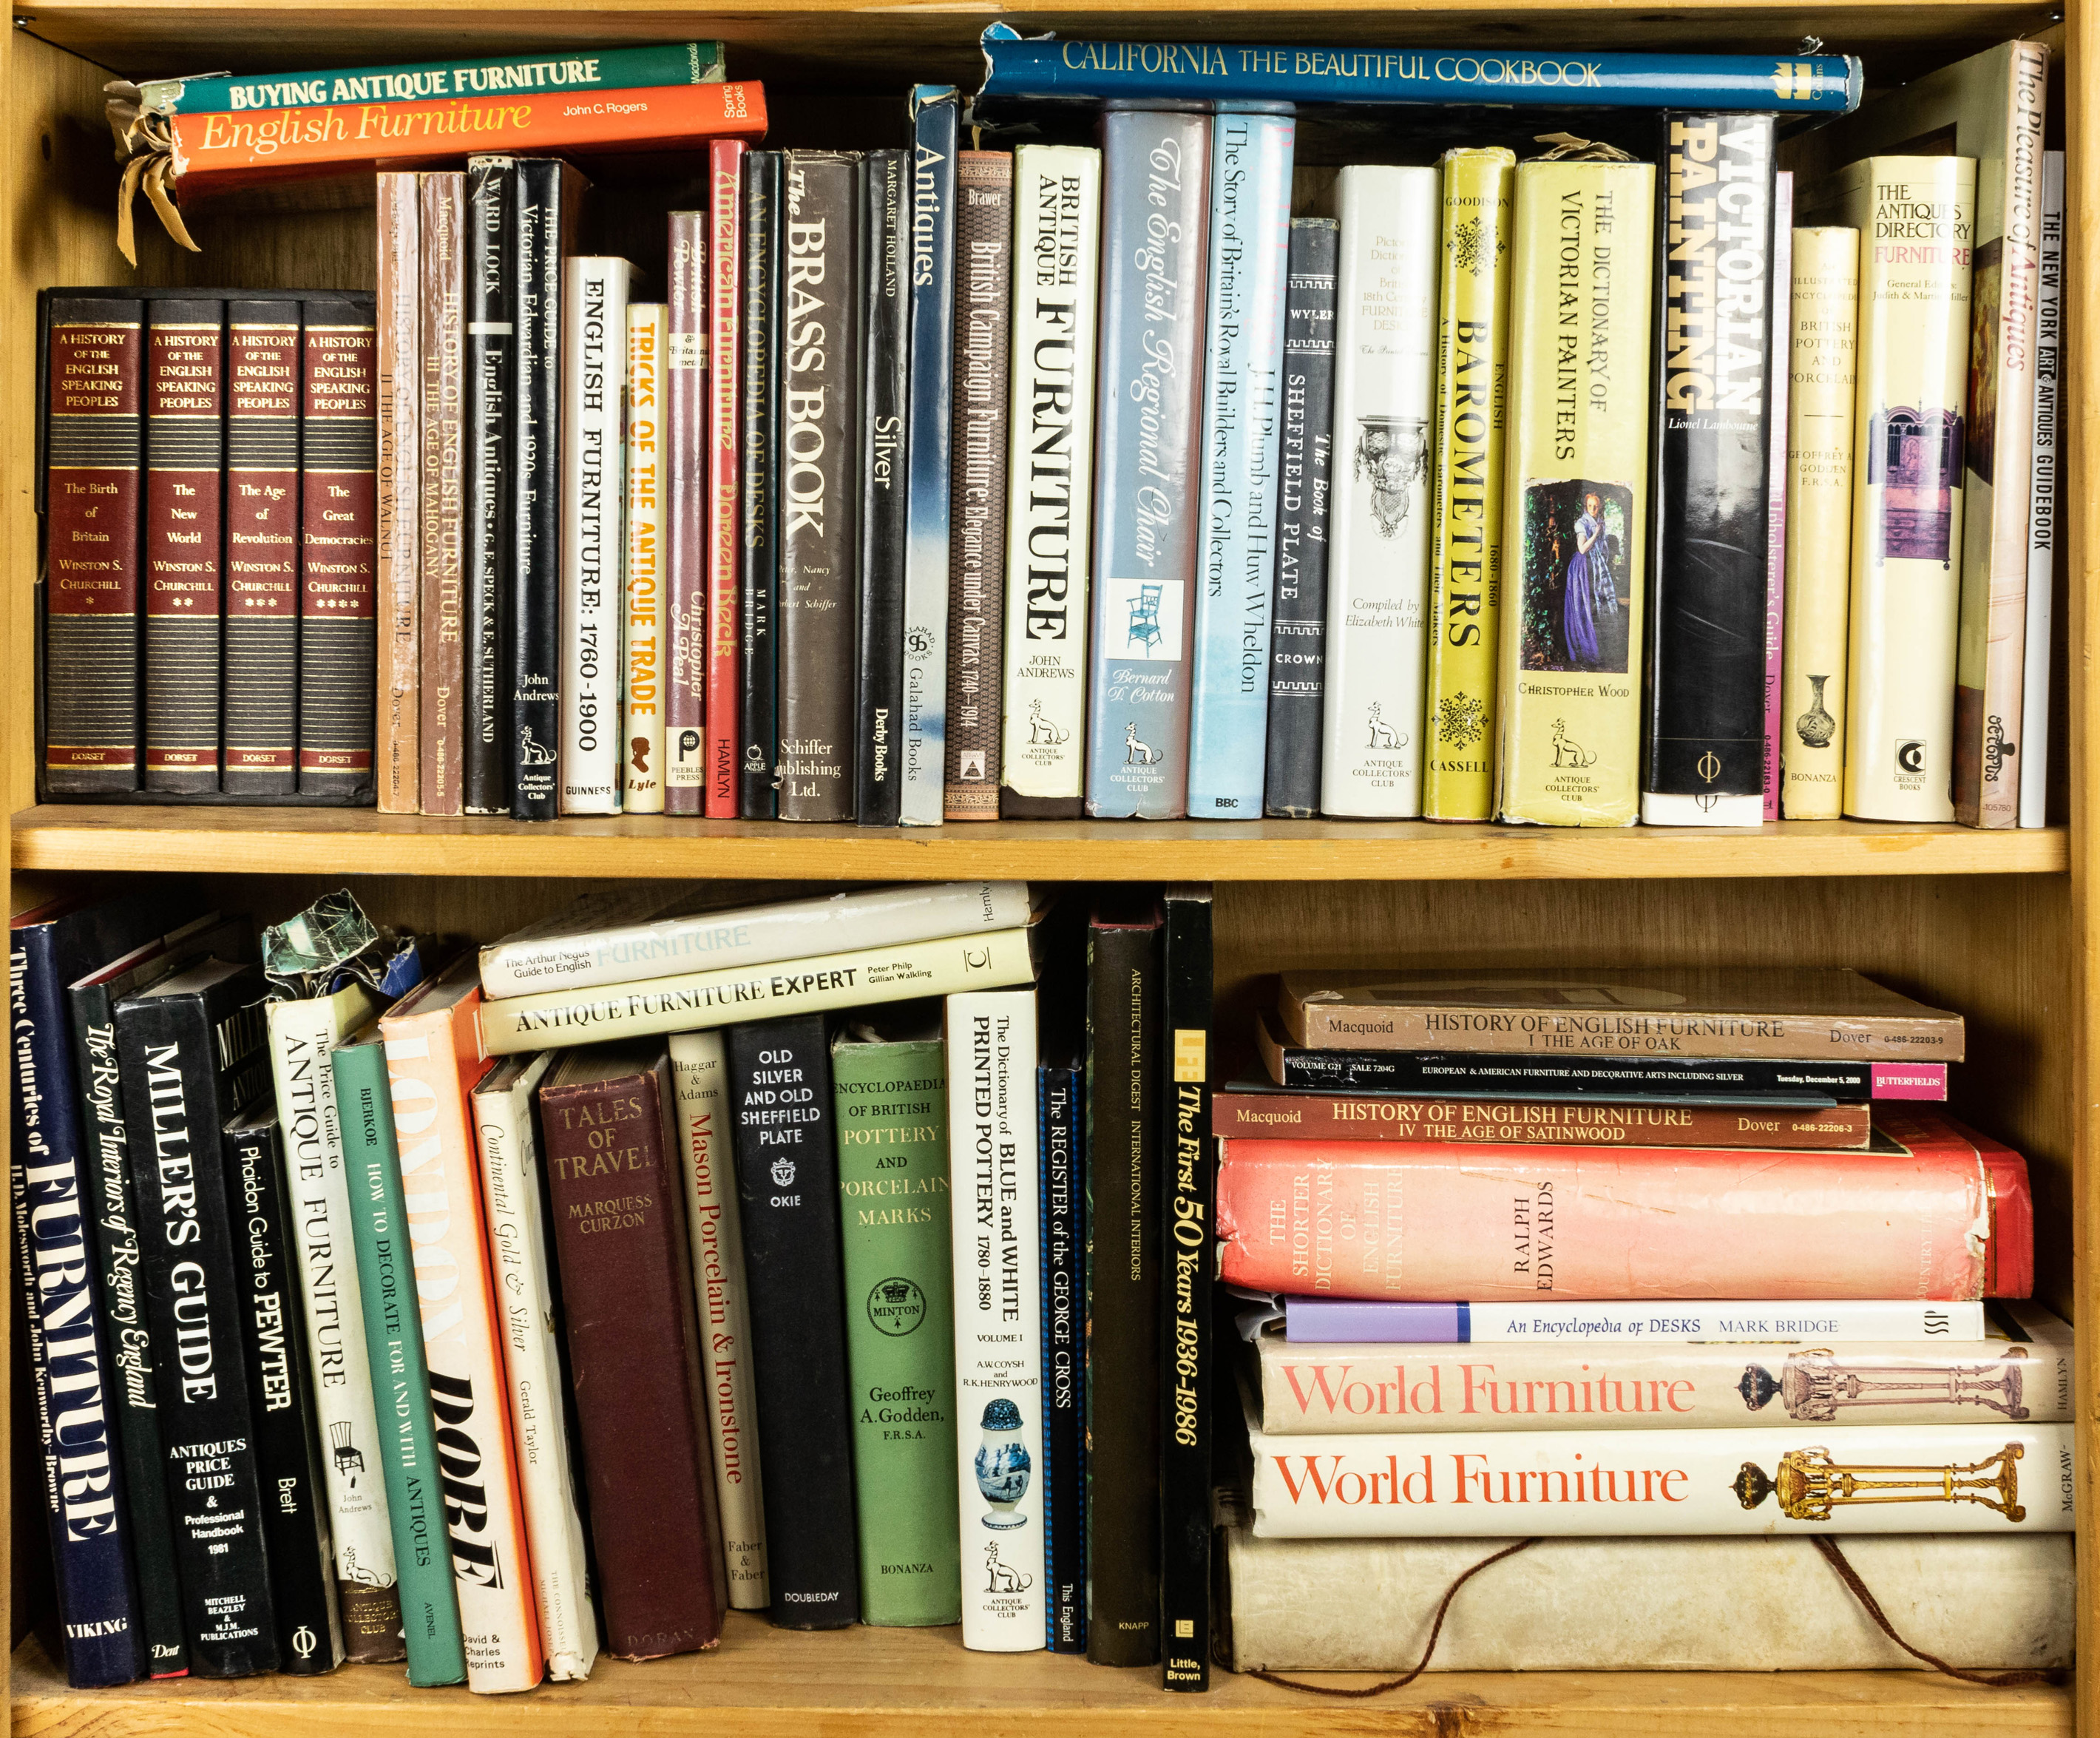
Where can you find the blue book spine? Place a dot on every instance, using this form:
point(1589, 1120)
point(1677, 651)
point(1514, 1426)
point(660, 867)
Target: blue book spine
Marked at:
point(85, 1500)
point(931, 372)
point(1061, 1120)
point(1155, 210)
point(1020, 68)
point(1250, 159)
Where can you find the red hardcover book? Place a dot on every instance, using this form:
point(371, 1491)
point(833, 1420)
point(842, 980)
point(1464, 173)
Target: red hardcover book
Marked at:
point(262, 547)
point(724, 277)
point(686, 534)
point(1251, 1113)
point(91, 512)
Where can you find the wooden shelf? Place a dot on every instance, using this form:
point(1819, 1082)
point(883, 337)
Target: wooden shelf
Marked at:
point(920, 1683)
point(337, 841)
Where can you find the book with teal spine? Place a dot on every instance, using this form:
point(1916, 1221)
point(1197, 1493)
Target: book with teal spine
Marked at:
point(891, 1095)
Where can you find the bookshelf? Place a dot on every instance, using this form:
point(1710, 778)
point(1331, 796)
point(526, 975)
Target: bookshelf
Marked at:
point(1999, 926)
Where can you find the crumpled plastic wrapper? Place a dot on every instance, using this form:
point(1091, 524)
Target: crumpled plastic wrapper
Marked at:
point(332, 944)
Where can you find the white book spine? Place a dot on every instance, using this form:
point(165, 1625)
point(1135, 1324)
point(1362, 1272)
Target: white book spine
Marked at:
point(994, 1182)
point(644, 635)
point(1824, 1324)
point(697, 1074)
point(303, 1039)
point(1377, 574)
point(533, 1363)
point(1057, 275)
point(593, 377)
point(2001, 1477)
point(2041, 518)
point(759, 935)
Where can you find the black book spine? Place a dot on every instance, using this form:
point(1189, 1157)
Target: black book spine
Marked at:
point(786, 1177)
point(758, 797)
point(175, 1108)
point(1297, 634)
point(118, 1262)
point(885, 351)
point(1187, 1392)
point(1459, 1074)
point(1705, 663)
point(491, 320)
point(287, 1453)
point(1122, 1286)
point(1064, 1360)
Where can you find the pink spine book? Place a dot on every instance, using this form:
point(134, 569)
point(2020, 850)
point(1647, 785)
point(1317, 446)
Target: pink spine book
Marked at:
point(685, 719)
point(1782, 368)
point(724, 481)
point(1417, 1221)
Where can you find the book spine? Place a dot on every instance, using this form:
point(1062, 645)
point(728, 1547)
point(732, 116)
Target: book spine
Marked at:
point(463, 1351)
point(1062, 1100)
point(442, 294)
point(699, 1075)
point(543, 210)
point(787, 1179)
point(1999, 460)
point(1242, 398)
point(295, 1527)
point(1574, 514)
point(723, 648)
point(488, 540)
point(647, 627)
point(994, 1164)
point(1385, 342)
point(1819, 525)
point(93, 438)
point(1327, 1321)
point(400, 1377)
point(262, 501)
point(1502, 1121)
point(1155, 208)
point(886, 344)
point(688, 546)
point(1057, 284)
point(1796, 1037)
point(1954, 1477)
point(1124, 1249)
point(1466, 532)
point(633, 1346)
point(1821, 1229)
point(1297, 632)
point(819, 504)
point(891, 1102)
point(700, 1000)
point(593, 355)
point(928, 431)
point(166, 1053)
point(398, 323)
point(1186, 1359)
point(1906, 518)
point(302, 1040)
point(91, 1523)
point(529, 1304)
point(338, 581)
point(976, 483)
point(1731, 1080)
point(1710, 519)
point(2043, 516)
point(183, 514)
point(758, 596)
point(1779, 370)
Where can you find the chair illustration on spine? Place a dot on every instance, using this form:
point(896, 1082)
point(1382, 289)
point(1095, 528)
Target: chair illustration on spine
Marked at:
point(1144, 618)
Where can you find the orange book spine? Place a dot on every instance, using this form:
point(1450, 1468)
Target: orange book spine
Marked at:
point(433, 1061)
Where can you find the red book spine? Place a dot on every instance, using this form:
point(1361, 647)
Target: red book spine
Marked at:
point(185, 454)
point(685, 714)
point(338, 566)
point(725, 161)
point(1503, 1122)
point(92, 546)
point(262, 547)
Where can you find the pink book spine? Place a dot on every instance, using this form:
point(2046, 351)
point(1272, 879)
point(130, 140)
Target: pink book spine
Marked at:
point(684, 716)
point(1413, 1221)
point(1782, 367)
point(725, 482)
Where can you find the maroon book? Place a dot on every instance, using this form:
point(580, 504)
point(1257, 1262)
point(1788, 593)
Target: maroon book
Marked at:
point(685, 718)
point(262, 578)
point(618, 1201)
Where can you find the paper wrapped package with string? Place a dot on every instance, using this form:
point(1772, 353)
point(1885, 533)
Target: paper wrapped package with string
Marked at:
point(181, 141)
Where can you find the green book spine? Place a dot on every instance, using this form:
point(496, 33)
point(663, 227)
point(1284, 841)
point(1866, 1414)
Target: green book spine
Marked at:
point(400, 1379)
point(892, 1100)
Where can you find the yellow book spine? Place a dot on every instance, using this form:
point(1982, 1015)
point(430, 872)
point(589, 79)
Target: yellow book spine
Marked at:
point(1465, 539)
point(1575, 498)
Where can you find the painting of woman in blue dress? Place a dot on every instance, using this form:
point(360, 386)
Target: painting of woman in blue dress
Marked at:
point(1574, 545)
point(1590, 591)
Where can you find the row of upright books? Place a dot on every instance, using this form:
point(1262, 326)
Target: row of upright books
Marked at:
point(947, 484)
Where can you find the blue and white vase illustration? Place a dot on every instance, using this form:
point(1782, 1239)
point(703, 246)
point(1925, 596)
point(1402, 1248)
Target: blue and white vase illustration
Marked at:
point(1003, 1464)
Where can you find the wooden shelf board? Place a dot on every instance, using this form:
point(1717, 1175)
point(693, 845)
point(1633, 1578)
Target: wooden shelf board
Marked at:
point(920, 1683)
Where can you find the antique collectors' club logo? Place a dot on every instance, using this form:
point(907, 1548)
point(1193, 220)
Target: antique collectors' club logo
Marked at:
point(896, 1307)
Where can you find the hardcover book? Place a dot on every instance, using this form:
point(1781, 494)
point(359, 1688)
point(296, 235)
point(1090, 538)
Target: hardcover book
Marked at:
point(644, 632)
point(399, 322)
point(2044, 527)
point(488, 545)
point(442, 297)
point(1497, 1122)
point(885, 346)
point(1062, 1084)
point(1777, 371)
point(725, 471)
point(1677, 1322)
point(689, 528)
point(759, 570)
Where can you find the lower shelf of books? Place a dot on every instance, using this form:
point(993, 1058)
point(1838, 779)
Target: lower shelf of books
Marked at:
point(913, 1683)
